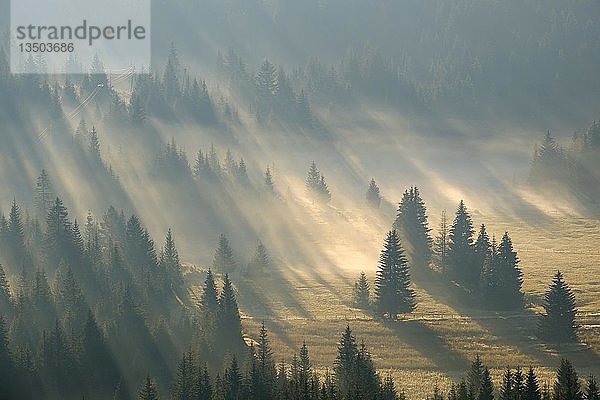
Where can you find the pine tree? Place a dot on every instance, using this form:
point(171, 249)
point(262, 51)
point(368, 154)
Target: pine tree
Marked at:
point(260, 262)
point(388, 390)
point(5, 296)
point(518, 384)
point(558, 323)
point(460, 249)
point(170, 264)
point(475, 376)
point(392, 284)
point(481, 248)
point(148, 390)
point(209, 306)
point(232, 381)
point(15, 234)
point(223, 260)
point(229, 332)
point(266, 366)
point(316, 186)
point(58, 233)
point(411, 223)
point(511, 280)
point(94, 145)
point(506, 391)
point(230, 164)
point(567, 386)
point(373, 195)
point(43, 197)
point(344, 366)
point(440, 245)
point(592, 392)
point(185, 378)
point(486, 392)
point(266, 80)
point(304, 372)
point(532, 388)
point(362, 292)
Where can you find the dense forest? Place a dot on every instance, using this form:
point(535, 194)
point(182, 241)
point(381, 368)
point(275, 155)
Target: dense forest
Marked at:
point(410, 182)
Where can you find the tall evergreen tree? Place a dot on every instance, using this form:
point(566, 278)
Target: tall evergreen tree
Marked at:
point(532, 388)
point(440, 244)
point(486, 392)
point(266, 366)
point(592, 392)
point(315, 184)
point(567, 386)
point(392, 284)
point(224, 260)
point(411, 223)
point(558, 323)
point(362, 292)
point(209, 306)
point(373, 195)
point(58, 238)
point(148, 390)
point(260, 262)
point(232, 381)
point(269, 184)
point(481, 247)
point(460, 249)
point(5, 296)
point(43, 197)
point(229, 321)
point(345, 363)
point(475, 376)
point(185, 378)
point(506, 391)
point(16, 235)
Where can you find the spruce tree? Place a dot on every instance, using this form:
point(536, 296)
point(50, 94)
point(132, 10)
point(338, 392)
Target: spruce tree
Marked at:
point(5, 296)
point(518, 384)
point(345, 363)
point(209, 306)
point(362, 292)
point(460, 249)
point(532, 388)
point(506, 391)
point(16, 235)
point(229, 332)
point(373, 195)
point(232, 381)
point(316, 186)
point(592, 392)
point(567, 386)
point(411, 223)
point(475, 375)
point(393, 294)
point(486, 392)
point(223, 260)
point(185, 378)
point(511, 280)
point(481, 247)
point(148, 390)
point(266, 366)
point(43, 196)
point(557, 325)
point(260, 262)
point(58, 238)
point(440, 245)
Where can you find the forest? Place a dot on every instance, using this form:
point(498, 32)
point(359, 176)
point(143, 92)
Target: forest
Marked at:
point(309, 200)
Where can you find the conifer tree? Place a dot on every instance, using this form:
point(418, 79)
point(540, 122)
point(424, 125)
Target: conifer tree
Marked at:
point(5, 296)
point(185, 378)
point(511, 275)
point(58, 233)
point(232, 381)
point(15, 234)
point(43, 197)
point(592, 392)
point(506, 391)
point(486, 392)
point(148, 390)
point(411, 223)
point(518, 384)
point(362, 292)
point(315, 184)
point(373, 195)
point(94, 145)
point(440, 244)
point(460, 249)
point(209, 305)
point(481, 247)
point(475, 376)
point(229, 332)
point(567, 386)
point(388, 390)
point(260, 262)
point(558, 323)
point(345, 362)
point(393, 294)
point(266, 366)
point(532, 388)
point(223, 260)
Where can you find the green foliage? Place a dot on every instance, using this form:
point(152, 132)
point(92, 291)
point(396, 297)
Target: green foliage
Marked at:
point(362, 292)
point(411, 223)
point(557, 325)
point(567, 386)
point(393, 294)
point(461, 265)
point(373, 195)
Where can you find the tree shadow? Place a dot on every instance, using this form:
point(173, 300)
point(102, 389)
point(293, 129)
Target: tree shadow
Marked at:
point(426, 341)
point(514, 328)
